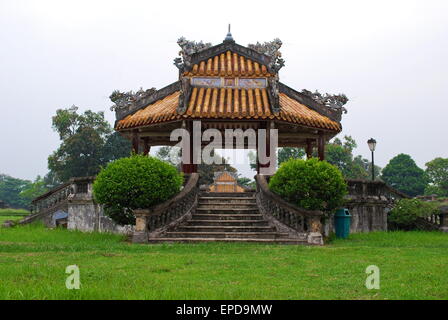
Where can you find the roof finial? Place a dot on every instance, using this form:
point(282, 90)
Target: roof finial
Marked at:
point(229, 37)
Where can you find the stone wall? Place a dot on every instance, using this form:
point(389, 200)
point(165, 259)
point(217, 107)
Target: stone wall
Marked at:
point(369, 203)
point(82, 212)
point(86, 215)
point(366, 217)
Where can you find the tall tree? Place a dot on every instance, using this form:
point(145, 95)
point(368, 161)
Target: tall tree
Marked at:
point(403, 174)
point(116, 147)
point(437, 175)
point(87, 144)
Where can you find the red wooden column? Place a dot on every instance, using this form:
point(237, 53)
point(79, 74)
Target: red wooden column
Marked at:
point(309, 148)
point(146, 146)
point(321, 146)
point(268, 126)
point(257, 163)
point(257, 143)
point(135, 141)
point(190, 167)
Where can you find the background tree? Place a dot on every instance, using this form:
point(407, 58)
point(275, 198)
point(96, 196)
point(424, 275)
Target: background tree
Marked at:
point(32, 190)
point(284, 154)
point(252, 155)
point(19, 193)
point(170, 154)
point(246, 182)
point(51, 181)
point(206, 171)
point(340, 154)
point(10, 189)
point(437, 175)
point(402, 173)
point(116, 147)
point(87, 144)
point(411, 214)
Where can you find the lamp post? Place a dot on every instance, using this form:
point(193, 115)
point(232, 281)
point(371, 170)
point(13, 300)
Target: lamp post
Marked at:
point(372, 144)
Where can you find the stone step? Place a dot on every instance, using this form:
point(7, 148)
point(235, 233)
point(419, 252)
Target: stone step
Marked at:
point(225, 229)
point(227, 194)
point(220, 223)
point(224, 210)
point(227, 203)
point(226, 217)
point(228, 240)
point(217, 216)
point(227, 207)
point(245, 235)
point(212, 198)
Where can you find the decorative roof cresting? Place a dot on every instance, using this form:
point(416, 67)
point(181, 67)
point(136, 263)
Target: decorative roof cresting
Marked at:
point(188, 49)
point(124, 100)
point(271, 49)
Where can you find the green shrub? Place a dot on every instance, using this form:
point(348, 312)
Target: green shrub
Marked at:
point(135, 182)
point(310, 184)
point(409, 214)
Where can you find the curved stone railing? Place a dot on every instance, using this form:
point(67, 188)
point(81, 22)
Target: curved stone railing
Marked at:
point(298, 222)
point(156, 220)
point(374, 190)
point(57, 198)
point(52, 198)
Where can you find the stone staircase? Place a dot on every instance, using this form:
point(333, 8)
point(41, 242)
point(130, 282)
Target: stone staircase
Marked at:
point(226, 217)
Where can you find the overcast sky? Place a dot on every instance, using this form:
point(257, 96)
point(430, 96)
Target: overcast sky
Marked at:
point(388, 57)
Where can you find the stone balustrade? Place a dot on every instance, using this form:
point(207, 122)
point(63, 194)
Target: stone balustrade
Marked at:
point(152, 222)
point(297, 222)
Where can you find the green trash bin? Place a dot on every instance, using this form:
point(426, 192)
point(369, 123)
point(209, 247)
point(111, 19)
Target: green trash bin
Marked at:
point(342, 220)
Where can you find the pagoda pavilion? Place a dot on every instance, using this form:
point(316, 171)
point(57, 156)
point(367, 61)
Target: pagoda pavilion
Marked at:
point(228, 86)
point(221, 89)
point(225, 181)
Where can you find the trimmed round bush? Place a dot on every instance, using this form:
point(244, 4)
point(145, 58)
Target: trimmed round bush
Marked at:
point(310, 184)
point(136, 182)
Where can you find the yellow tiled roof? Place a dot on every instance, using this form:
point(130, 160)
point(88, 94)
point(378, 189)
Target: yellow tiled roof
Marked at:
point(161, 110)
point(229, 103)
point(226, 103)
point(229, 64)
point(294, 111)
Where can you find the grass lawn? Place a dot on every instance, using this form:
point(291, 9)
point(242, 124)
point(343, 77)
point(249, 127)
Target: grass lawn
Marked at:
point(13, 218)
point(413, 265)
point(12, 214)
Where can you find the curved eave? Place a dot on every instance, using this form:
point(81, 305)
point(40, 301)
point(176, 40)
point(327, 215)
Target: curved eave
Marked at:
point(228, 104)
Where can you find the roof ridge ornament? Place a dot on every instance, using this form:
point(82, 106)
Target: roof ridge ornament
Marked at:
point(270, 49)
point(123, 100)
point(188, 49)
point(332, 101)
point(229, 37)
